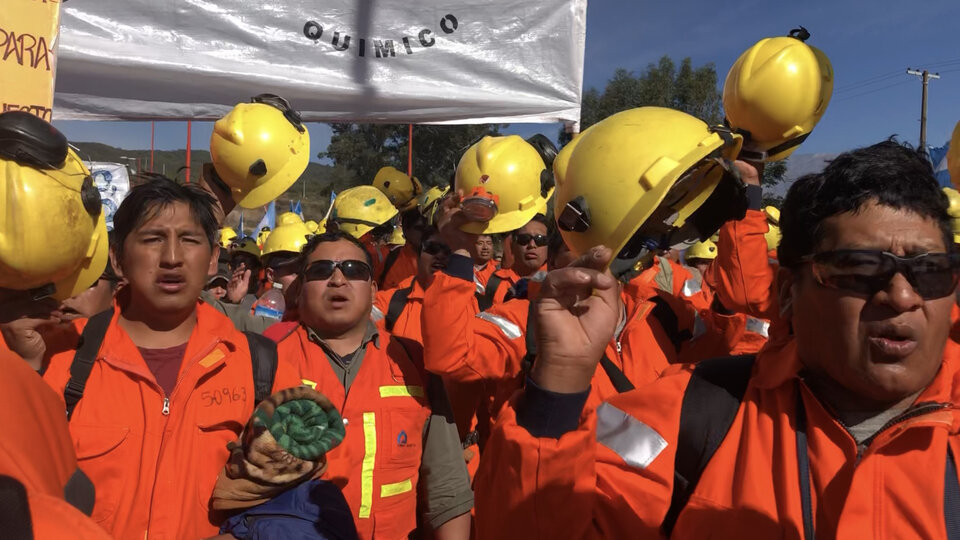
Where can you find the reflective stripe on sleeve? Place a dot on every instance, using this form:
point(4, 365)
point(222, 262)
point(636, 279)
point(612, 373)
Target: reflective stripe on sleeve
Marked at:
point(369, 459)
point(509, 329)
point(636, 443)
point(691, 287)
point(699, 327)
point(758, 326)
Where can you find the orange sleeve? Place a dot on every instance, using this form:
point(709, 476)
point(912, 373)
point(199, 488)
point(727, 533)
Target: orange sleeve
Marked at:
point(611, 477)
point(745, 280)
point(461, 344)
point(287, 375)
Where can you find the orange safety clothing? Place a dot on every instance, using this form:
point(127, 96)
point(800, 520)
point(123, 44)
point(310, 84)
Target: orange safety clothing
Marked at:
point(482, 273)
point(399, 264)
point(612, 476)
point(753, 331)
point(386, 412)
point(503, 279)
point(153, 458)
point(36, 450)
point(407, 324)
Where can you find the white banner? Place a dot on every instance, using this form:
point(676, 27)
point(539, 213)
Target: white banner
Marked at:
point(417, 61)
point(113, 182)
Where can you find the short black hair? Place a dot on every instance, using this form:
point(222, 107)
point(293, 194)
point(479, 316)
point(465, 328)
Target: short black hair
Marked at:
point(145, 201)
point(412, 218)
point(888, 173)
point(329, 237)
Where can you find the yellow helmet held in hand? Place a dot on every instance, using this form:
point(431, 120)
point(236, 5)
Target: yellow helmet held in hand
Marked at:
point(246, 245)
point(430, 201)
point(286, 238)
point(772, 235)
point(402, 190)
point(227, 236)
point(53, 232)
point(259, 149)
point(953, 157)
point(396, 237)
point(288, 218)
point(775, 94)
point(954, 211)
point(360, 209)
point(706, 250)
point(506, 178)
point(645, 180)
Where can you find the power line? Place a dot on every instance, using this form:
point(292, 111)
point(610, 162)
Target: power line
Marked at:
point(871, 91)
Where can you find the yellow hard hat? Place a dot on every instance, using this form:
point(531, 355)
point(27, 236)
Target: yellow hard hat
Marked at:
point(429, 202)
point(773, 227)
point(706, 250)
point(53, 228)
point(954, 211)
point(775, 94)
point(312, 226)
point(361, 209)
point(259, 149)
point(402, 190)
point(507, 172)
point(246, 245)
point(644, 180)
point(262, 237)
point(290, 237)
point(288, 218)
point(227, 236)
point(396, 237)
point(953, 156)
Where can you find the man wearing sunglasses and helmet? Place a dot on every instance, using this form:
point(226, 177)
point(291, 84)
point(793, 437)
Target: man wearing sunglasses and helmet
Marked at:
point(401, 453)
point(823, 435)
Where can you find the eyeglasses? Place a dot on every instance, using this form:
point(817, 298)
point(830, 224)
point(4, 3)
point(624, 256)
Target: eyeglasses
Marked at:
point(538, 239)
point(283, 105)
point(432, 247)
point(861, 271)
point(353, 270)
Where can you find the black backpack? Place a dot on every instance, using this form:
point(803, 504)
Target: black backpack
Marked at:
point(263, 354)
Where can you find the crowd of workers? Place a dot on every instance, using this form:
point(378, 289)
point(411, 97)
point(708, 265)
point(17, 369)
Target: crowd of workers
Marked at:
point(662, 356)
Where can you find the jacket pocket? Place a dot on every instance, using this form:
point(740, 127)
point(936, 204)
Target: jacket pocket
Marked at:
point(105, 458)
point(401, 435)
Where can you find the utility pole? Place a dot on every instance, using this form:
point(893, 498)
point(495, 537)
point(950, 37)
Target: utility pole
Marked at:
point(925, 76)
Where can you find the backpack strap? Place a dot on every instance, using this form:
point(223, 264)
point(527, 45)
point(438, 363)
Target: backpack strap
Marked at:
point(710, 404)
point(388, 263)
point(951, 498)
point(530, 339)
point(263, 357)
point(485, 300)
point(398, 301)
point(669, 322)
point(90, 341)
point(616, 375)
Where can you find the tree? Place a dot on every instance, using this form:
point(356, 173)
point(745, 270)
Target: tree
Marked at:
point(358, 151)
point(774, 172)
point(691, 90)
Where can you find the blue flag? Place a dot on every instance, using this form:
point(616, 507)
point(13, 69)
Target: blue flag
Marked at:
point(296, 208)
point(240, 227)
point(269, 219)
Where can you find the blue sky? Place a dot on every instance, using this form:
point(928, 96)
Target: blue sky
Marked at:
point(870, 44)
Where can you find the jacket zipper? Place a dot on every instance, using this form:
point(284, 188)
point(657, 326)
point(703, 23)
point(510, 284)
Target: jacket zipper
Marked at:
point(913, 412)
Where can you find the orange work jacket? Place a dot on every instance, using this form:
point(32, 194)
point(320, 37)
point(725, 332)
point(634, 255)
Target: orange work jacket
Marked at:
point(153, 458)
point(403, 266)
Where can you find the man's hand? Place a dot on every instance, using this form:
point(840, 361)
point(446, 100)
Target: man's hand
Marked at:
point(212, 183)
point(576, 317)
point(449, 220)
point(749, 172)
point(238, 285)
point(20, 322)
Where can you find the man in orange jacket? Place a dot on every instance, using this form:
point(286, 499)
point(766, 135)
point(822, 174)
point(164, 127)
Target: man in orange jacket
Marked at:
point(529, 247)
point(819, 436)
point(483, 264)
point(162, 383)
point(401, 441)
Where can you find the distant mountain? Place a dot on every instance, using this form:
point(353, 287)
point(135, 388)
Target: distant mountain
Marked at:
point(313, 187)
point(799, 165)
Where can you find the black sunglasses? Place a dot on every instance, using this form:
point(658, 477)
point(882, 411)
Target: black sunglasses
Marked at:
point(432, 247)
point(862, 271)
point(352, 269)
point(538, 239)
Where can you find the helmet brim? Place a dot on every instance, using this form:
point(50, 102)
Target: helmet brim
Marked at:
point(92, 268)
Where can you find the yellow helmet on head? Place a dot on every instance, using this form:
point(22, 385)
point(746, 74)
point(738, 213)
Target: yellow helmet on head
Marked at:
point(402, 190)
point(954, 211)
point(246, 245)
point(227, 236)
point(259, 149)
point(288, 218)
point(262, 236)
point(506, 178)
point(396, 237)
point(773, 227)
point(953, 157)
point(775, 94)
point(360, 209)
point(53, 231)
point(645, 180)
point(430, 201)
point(286, 238)
point(706, 250)
point(312, 226)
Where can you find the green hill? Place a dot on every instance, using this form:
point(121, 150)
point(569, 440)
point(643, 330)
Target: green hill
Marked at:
point(313, 187)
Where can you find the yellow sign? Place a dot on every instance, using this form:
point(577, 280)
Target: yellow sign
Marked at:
point(28, 38)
